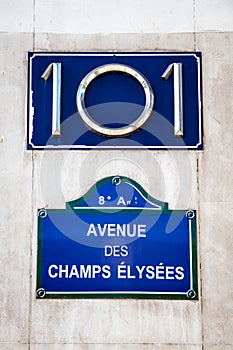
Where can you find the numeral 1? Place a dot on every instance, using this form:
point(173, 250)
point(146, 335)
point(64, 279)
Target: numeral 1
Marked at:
point(176, 68)
point(55, 69)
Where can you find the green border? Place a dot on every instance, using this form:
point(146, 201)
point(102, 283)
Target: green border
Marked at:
point(164, 210)
point(39, 253)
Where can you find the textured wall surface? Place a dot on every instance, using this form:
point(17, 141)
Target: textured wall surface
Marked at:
point(199, 180)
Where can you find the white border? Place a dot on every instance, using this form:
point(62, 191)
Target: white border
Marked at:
point(81, 147)
point(138, 292)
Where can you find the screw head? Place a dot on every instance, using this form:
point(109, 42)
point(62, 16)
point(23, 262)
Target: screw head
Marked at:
point(116, 180)
point(191, 294)
point(40, 293)
point(42, 213)
point(190, 214)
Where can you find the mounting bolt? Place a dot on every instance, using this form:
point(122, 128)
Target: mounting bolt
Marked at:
point(42, 213)
point(116, 180)
point(191, 294)
point(190, 214)
point(40, 293)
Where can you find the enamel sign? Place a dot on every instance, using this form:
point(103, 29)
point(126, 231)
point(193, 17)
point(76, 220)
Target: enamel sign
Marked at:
point(117, 242)
point(114, 101)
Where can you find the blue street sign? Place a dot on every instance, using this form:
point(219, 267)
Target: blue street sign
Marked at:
point(117, 241)
point(114, 100)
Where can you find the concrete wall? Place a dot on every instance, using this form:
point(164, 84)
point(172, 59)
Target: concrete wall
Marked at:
point(27, 323)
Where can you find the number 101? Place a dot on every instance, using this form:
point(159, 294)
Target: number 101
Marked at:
point(54, 69)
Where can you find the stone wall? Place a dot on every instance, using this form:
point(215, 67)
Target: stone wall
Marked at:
point(88, 25)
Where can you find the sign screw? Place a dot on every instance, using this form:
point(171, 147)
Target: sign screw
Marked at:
point(42, 213)
point(116, 181)
point(190, 214)
point(40, 293)
point(191, 294)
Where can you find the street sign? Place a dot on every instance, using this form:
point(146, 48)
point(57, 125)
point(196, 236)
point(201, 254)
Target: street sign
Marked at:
point(117, 242)
point(114, 101)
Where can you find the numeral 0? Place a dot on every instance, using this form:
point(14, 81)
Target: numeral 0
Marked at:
point(175, 68)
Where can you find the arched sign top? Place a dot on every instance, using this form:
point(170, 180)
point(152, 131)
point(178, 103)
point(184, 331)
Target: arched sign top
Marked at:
point(125, 130)
point(117, 192)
